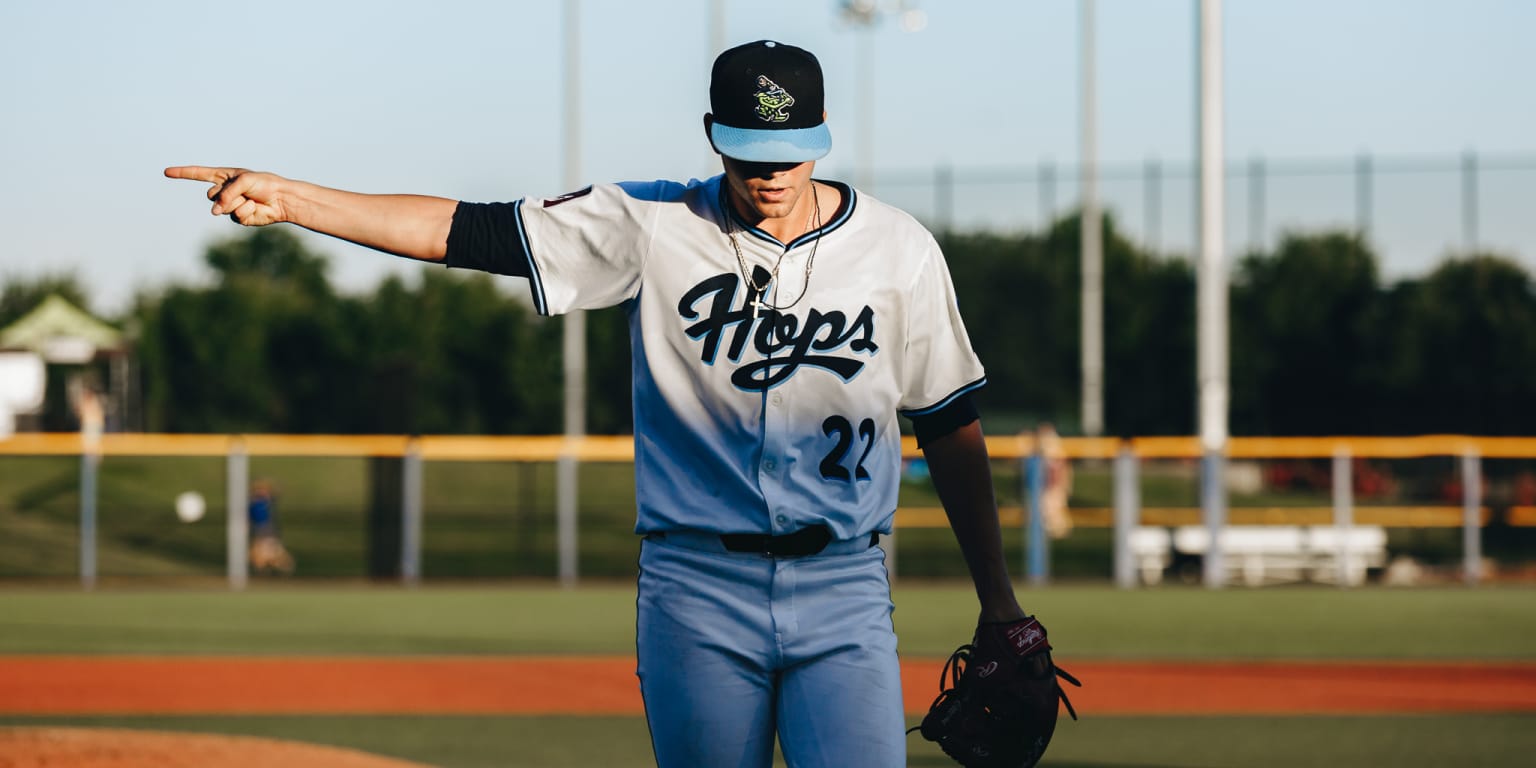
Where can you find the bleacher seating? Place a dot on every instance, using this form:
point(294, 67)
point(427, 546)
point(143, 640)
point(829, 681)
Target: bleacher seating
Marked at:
point(1268, 554)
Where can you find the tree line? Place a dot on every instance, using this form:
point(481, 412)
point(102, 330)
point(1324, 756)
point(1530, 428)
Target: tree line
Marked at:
point(1320, 343)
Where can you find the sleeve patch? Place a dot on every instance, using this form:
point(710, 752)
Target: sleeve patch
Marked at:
point(567, 197)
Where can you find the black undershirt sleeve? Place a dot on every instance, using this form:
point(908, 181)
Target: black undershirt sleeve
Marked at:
point(932, 426)
point(484, 236)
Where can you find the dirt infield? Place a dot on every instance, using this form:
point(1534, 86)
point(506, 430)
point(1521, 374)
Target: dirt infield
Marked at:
point(606, 685)
point(114, 748)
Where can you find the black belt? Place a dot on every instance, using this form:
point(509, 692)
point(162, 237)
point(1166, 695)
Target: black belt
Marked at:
point(806, 541)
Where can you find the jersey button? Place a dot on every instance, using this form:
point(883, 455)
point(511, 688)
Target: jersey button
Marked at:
point(770, 465)
point(781, 519)
point(778, 399)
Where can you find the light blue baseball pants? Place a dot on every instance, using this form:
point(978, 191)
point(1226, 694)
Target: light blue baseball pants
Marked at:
point(736, 647)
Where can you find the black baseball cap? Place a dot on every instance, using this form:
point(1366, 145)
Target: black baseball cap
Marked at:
point(767, 100)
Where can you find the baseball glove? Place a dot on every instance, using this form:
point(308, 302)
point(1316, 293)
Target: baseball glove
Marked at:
point(999, 709)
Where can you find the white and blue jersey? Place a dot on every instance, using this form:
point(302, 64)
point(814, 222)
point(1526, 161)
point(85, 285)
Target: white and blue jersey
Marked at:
point(769, 421)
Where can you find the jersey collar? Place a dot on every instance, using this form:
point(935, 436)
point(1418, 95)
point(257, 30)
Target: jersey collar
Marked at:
point(836, 219)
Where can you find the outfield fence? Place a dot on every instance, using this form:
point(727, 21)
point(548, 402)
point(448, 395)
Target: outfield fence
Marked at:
point(407, 508)
point(1413, 209)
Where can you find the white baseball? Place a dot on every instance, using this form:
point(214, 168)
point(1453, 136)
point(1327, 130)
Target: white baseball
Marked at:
point(190, 506)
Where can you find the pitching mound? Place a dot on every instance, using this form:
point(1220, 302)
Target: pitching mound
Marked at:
point(114, 748)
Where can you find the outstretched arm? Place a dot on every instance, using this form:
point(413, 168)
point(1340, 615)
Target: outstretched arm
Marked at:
point(414, 226)
point(962, 475)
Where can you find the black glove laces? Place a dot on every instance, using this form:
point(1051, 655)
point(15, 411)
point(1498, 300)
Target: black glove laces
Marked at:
point(954, 669)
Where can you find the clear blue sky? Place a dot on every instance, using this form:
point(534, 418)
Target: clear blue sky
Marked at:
point(464, 99)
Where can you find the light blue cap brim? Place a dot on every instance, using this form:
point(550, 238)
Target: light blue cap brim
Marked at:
point(785, 145)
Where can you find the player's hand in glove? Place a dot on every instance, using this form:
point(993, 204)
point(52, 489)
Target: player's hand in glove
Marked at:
point(999, 709)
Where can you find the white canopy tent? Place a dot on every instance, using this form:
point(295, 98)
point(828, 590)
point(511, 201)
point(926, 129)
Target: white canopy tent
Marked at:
point(56, 332)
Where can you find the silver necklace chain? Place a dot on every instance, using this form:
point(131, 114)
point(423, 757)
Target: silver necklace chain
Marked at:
point(760, 302)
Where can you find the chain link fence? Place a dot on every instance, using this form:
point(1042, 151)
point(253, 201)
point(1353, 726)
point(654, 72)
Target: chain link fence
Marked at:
point(1413, 210)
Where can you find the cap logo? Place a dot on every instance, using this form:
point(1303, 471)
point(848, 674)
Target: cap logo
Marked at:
point(773, 102)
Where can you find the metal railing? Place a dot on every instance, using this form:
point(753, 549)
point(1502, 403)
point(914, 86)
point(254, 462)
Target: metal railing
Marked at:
point(1125, 456)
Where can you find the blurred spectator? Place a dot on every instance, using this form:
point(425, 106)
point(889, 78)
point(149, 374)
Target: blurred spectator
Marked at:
point(1373, 481)
point(1058, 481)
point(1525, 489)
point(915, 471)
point(267, 551)
point(1453, 491)
point(89, 411)
point(1450, 489)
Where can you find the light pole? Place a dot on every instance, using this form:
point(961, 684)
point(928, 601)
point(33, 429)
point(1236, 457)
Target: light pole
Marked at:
point(574, 325)
point(1091, 239)
point(715, 24)
point(865, 15)
point(1211, 291)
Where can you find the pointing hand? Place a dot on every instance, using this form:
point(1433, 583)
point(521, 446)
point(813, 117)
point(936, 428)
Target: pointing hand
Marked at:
point(247, 197)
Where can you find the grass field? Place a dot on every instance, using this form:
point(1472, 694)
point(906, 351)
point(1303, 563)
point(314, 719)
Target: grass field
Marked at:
point(1086, 623)
point(162, 594)
point(1471, 741)
point(490, 520)
point(1170, 623)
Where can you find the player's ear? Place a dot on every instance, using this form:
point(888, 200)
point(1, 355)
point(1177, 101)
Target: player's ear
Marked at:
point(709, 120)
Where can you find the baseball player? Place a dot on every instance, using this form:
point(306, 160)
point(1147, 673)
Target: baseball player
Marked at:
point(779, 323)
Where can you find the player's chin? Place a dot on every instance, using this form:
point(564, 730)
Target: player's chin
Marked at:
point(774, 204)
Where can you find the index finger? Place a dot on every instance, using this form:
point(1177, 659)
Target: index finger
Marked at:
point(200, 173)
